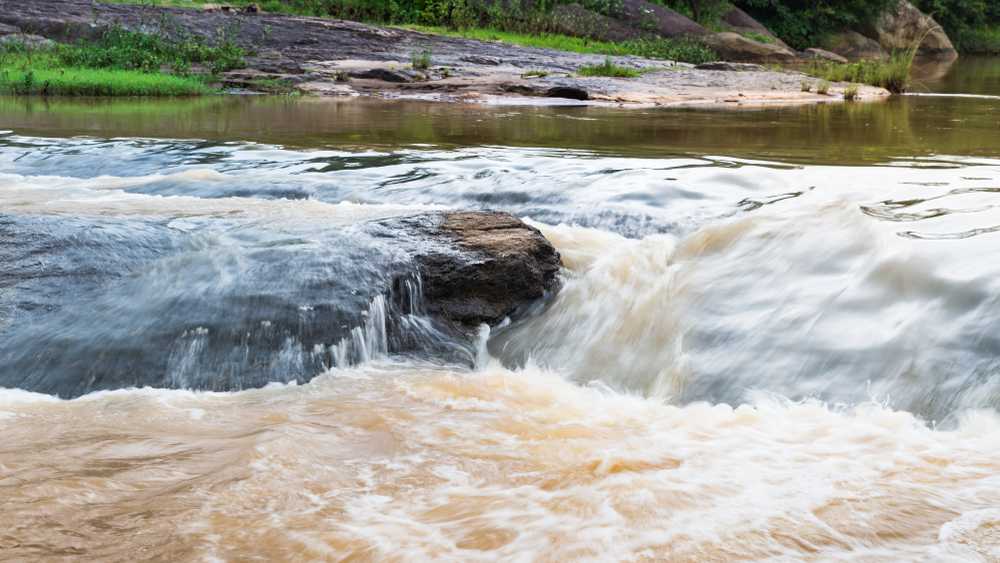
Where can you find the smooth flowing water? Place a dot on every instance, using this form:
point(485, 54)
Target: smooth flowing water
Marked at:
point(777, 337)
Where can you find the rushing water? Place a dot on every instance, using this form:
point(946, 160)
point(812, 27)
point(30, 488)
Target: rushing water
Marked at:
point(777, 337)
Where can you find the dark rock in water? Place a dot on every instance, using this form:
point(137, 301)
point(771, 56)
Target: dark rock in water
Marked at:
point(504, 265)
point(107, 303)
point(569, 92)
point(729, 67)
point(383, 74)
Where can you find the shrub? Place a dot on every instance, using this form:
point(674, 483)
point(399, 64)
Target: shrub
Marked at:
point(421, 60)
point(823, 88)
point(893, 75)
point(610, 69)
point(851, 93)
point(799, 22)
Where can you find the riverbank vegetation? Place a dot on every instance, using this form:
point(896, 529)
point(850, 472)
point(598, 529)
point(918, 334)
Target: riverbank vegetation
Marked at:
point(683, 50)
point(893, 74)
point(118, 63)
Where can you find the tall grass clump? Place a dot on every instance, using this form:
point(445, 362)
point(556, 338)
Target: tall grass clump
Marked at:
point(893, 74)
point(609, 69)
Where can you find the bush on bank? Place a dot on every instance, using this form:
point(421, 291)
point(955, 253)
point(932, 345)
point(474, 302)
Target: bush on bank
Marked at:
point(118, 63)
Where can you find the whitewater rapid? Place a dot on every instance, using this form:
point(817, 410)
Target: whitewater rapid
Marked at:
point(747, 360)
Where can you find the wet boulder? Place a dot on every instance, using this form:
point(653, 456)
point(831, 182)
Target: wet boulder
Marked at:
point(490, 266)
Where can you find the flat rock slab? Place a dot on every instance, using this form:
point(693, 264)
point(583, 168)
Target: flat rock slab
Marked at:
point(461, 70)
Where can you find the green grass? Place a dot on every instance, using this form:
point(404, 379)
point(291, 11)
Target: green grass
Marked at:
point(758, 37)
point(893, 75)
point(421, 60)
point(609, 69)
point(31, 79)
point(118, 63)
point(682, 50)
point(851, 93)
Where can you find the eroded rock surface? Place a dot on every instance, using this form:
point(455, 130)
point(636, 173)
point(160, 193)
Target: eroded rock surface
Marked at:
point(320, 53)
point(503, 266)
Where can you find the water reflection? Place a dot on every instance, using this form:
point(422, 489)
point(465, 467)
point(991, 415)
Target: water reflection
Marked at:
point(831, 133)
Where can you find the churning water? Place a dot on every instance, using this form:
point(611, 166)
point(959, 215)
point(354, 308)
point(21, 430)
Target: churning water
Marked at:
point(749, 359)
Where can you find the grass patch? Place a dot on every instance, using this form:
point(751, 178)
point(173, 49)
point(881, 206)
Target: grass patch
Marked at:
point(682, 50)
point(609, 69)
point(893, 75)
point(120, 48)
point(758, 37)
point(823, 88)
point(806, 86)
point(421, 60)
point(851, 93)
point(46, 73)
point(32, 79)
point(535, 74)
point(118, 63)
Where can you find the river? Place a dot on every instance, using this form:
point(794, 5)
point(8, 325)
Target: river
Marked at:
point(777, 336)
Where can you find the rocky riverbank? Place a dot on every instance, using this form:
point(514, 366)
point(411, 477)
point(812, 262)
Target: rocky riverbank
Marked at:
point(341, 58)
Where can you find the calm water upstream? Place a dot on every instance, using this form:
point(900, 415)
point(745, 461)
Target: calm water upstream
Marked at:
point(778, 336)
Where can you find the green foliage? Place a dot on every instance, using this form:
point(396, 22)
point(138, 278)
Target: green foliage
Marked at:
point(823, 88)
point(806, 86)
point(967, 22)
point(706, 12)
point(683, 50)
point(535, 74)
point(678, 49)
point(758, 37)
point(421, 60)
point(120, 63)
point(893, 75)
point(801, 22)
point(42, 75)
point(609, 69)
point(851, 93)
point(119, 48)
point(985, 40)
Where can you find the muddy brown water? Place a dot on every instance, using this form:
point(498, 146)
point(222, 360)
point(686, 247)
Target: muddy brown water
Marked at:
point(776, 340)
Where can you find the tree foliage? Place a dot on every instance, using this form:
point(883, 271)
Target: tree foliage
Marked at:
point(802, 23)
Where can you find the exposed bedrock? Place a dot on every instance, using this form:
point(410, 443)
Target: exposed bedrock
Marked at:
point(107, 303)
